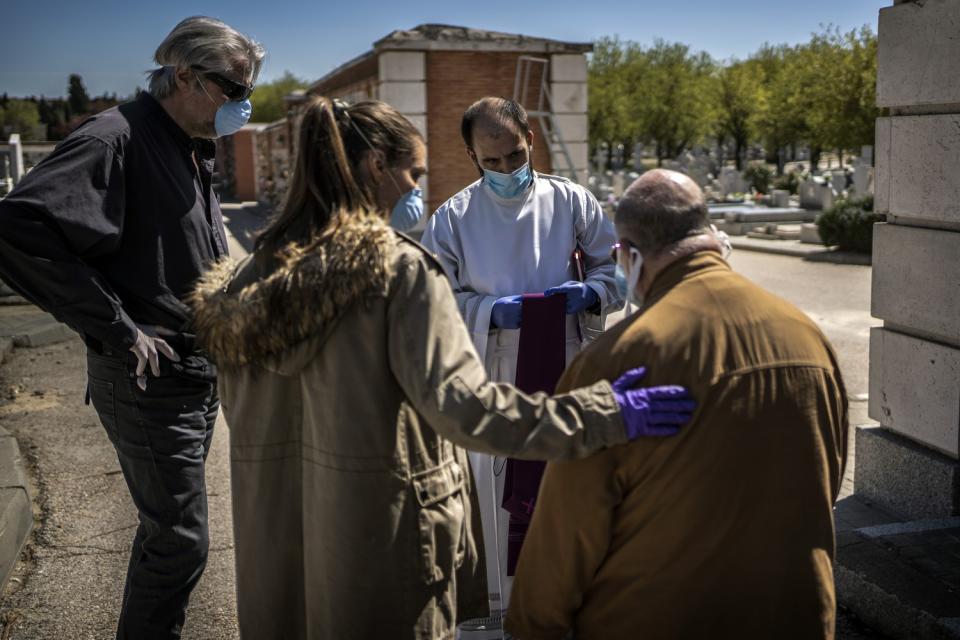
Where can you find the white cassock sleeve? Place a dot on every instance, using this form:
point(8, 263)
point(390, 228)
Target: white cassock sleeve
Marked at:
point(443, 242)
point(596, 237)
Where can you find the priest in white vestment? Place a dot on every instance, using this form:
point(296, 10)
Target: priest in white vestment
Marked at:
point(511, 232)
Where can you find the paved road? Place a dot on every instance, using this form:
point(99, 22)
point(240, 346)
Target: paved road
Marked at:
point(70, 586)
point(836, 296)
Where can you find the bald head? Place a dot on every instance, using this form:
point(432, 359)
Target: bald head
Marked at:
point(496, 117)
point(661, 208)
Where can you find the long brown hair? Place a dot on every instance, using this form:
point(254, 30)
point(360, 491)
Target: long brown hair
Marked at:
point(328, 182)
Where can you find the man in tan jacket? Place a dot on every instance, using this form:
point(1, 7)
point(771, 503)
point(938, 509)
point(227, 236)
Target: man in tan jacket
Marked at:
point(725, 531)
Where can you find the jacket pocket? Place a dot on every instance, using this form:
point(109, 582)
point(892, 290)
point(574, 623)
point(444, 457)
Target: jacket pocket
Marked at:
point(441, 521)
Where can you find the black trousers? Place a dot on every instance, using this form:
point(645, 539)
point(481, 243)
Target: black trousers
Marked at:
point(162, 437)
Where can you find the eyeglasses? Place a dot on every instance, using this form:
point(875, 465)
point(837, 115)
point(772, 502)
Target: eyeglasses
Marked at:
point(234, 91)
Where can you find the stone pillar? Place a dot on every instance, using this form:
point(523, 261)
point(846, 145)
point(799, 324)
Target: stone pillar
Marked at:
point(403, 84)
point(568, 88)
point(16, 158)
point(910, 463)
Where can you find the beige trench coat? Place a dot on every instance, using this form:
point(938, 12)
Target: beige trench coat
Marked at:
point(349, 383)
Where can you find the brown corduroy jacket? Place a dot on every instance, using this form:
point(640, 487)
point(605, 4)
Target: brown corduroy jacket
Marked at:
point(723, 531)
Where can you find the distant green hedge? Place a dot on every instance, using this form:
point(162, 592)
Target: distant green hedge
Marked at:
point(759, 176)
point(849, 224)
point(788, 182)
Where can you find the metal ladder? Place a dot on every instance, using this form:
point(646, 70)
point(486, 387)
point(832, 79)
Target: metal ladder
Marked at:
point(543, 112)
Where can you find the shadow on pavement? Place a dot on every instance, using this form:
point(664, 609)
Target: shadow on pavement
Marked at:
point(244, 221)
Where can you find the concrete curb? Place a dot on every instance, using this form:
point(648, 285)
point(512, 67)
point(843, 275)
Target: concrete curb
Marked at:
point(813, 253)
point(16, 512)
point(32, 330)
point(42, 334)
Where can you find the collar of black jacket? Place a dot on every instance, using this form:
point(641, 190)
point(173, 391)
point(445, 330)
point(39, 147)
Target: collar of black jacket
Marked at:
point(205, 148)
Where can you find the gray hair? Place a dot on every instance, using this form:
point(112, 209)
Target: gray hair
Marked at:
point(206, 43)
point(661, 208)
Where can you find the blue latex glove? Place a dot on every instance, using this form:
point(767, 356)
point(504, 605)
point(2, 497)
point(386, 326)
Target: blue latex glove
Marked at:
point(506, 312)
point(651, 411)
point(580, 296)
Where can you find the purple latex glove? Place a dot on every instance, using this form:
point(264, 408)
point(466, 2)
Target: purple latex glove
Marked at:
point(506, 312)
point(580, 296)
point(651, 411)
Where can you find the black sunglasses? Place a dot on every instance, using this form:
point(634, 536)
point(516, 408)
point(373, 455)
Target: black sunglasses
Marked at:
point(235, 91)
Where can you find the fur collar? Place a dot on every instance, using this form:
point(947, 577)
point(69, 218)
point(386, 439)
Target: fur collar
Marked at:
point(245, 314)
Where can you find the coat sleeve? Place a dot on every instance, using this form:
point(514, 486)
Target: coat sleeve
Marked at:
point(573, 521)
point(596, 236)
point(437, 367)
point(475, 308)
point(68, 210)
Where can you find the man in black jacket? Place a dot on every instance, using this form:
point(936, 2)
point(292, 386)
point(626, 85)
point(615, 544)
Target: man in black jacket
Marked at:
point(109, 234)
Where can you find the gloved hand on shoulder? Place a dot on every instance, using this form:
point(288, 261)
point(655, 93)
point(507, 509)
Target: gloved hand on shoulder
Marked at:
point(651, 411)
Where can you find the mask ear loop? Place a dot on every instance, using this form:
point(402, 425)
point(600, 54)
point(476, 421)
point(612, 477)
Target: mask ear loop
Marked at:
point(203, 88)
point(633, 276)
point(727, 247)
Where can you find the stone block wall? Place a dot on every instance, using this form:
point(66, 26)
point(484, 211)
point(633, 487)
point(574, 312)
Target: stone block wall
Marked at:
point(910, 464)
point(403, 84)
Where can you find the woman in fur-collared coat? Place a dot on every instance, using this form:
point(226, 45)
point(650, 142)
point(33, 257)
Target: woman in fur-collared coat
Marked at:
point(348, 380)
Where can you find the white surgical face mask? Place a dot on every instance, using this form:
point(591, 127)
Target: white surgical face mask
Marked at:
point(231, 116)
point(724, 241)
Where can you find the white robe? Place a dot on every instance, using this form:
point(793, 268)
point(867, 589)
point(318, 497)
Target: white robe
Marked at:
point(492, 247)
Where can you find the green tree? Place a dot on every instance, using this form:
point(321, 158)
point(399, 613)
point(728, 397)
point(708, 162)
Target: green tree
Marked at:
point(267, 99)
point(669, 100)
point(20, 116)
point(739, 100)
point(836, 74)
point(77, 95)
point(786, 77)
point(607, 87)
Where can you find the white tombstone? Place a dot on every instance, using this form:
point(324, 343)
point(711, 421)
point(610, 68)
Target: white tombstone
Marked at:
point(838, 180)
point(617, 157)
point(731, 181)
point(780, 198)
point(862, 180)
point(827, 197)
point(618, 180)
point(814, 195)
point(16, 158)
point(698, 175)
point(600, 156)
point(637, 157)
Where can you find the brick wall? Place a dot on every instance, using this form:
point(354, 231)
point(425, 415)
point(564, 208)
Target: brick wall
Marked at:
point(244, 173)
point(455, 79)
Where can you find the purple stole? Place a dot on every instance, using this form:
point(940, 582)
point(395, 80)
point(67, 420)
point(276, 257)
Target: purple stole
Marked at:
point(541, 360)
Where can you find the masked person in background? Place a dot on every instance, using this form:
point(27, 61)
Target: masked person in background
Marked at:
point(350, 383)
point(109, 233)
point(512, 232)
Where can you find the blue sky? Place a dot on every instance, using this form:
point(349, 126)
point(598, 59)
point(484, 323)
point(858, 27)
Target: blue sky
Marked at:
point(111, 44)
